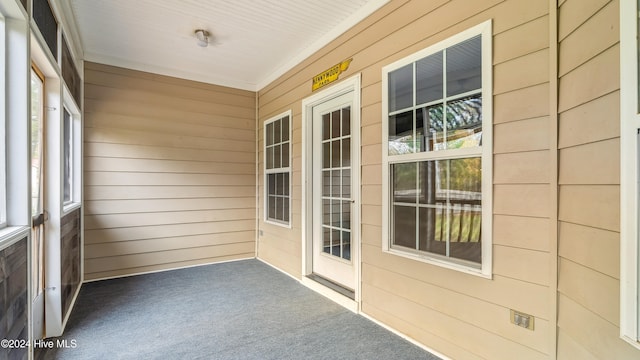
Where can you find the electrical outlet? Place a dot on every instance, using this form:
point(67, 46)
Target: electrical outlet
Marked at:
point(521, 319)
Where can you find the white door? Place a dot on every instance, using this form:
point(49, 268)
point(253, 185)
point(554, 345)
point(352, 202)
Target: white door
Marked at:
point(332, 196)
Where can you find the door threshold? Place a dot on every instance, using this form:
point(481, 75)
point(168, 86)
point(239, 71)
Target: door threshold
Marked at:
point(333, 286)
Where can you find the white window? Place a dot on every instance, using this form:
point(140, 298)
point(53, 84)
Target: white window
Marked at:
point(70, 156)
point(629, 157)
point(277, 172)
point(437, 153)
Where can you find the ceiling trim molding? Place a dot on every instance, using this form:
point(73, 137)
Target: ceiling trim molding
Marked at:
point(198, 77)
point(347, 24)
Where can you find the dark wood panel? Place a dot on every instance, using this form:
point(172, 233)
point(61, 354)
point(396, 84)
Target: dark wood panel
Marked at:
point(71, 260)
point(13, 298)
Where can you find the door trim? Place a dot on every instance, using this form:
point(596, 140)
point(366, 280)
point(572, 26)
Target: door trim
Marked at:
point(351, 84)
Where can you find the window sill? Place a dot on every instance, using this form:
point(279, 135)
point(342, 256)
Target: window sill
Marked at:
point(432, 260)
point(11, 234)
point(286, 226)
point(67, 208)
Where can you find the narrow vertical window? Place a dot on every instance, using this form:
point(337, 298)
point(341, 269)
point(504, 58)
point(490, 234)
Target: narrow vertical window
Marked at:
point(67, 157)
point(437, 154)
point(277, 161)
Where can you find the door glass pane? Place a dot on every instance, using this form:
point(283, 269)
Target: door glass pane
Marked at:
point(346, 245)
point(335, 124)
point(346, 152)
point(326, 155)
point(346, 121)
point(326, 183)
point(335, 153)
point(464, 70)
point(346, 184)
point(335, 242)
point(326, 126)
point(401, 88)
point(326, 240)
point(335, 183)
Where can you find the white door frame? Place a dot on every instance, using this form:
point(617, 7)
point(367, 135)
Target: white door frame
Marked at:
point(351, 84)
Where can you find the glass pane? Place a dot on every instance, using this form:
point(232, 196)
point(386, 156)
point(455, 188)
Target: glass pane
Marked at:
point(335, 242)
point(429, 79)
point(464, 123)
point(464, 66)
point(404, 182)
point(346, 215)
point(37, 118)
point(269, 158)
point(279, 208)
point(326, 240)
point(432, 182)
point(271, 206)
point(401, 133)
point(346, 184)
point(465, 234)
point(346, 152)
point(285, 128)
point(277, 157)
point(431, 232)
point(269, 134)
point(346, 245)
point(271, 184)
point(285, 209)
point(335, 183)
point(335, 213)
point(286, 184)
point(465, 181)
point(67, 146)
point(335, 124)
point(326, 126)
point(277, 131)
point(335, 153)
point(279, 183)
point(326, 212)
point(326, 183)
point(346, 121)
point(326, 155)
point(401, 88)
point(404, 226)
point(285, 154)
point(429, 128)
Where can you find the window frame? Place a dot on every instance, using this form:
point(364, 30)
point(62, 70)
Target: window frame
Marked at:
point(71, 107)
point(629, 177)
point(67, 176)
point(279, 170)
point(484, 269)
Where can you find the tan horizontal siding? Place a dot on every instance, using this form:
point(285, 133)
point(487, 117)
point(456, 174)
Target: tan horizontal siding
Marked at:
point(521, 168)
point(169, 174)
point(589, 177)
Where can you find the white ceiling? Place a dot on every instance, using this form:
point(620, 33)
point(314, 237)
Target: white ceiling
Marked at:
point(254, 41)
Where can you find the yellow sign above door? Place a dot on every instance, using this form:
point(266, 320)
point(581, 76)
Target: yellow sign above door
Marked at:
point(330, 75)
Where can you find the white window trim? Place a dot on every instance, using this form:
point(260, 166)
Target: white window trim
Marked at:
point(76, 155)
point(629, 125)
point(485, 270)
point(287, 169)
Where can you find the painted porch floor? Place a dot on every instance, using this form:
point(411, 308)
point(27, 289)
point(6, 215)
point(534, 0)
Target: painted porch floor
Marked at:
point(236, 310)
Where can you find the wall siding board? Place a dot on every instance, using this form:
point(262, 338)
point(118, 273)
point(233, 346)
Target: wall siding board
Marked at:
point(171, 167)
point(589, 176)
